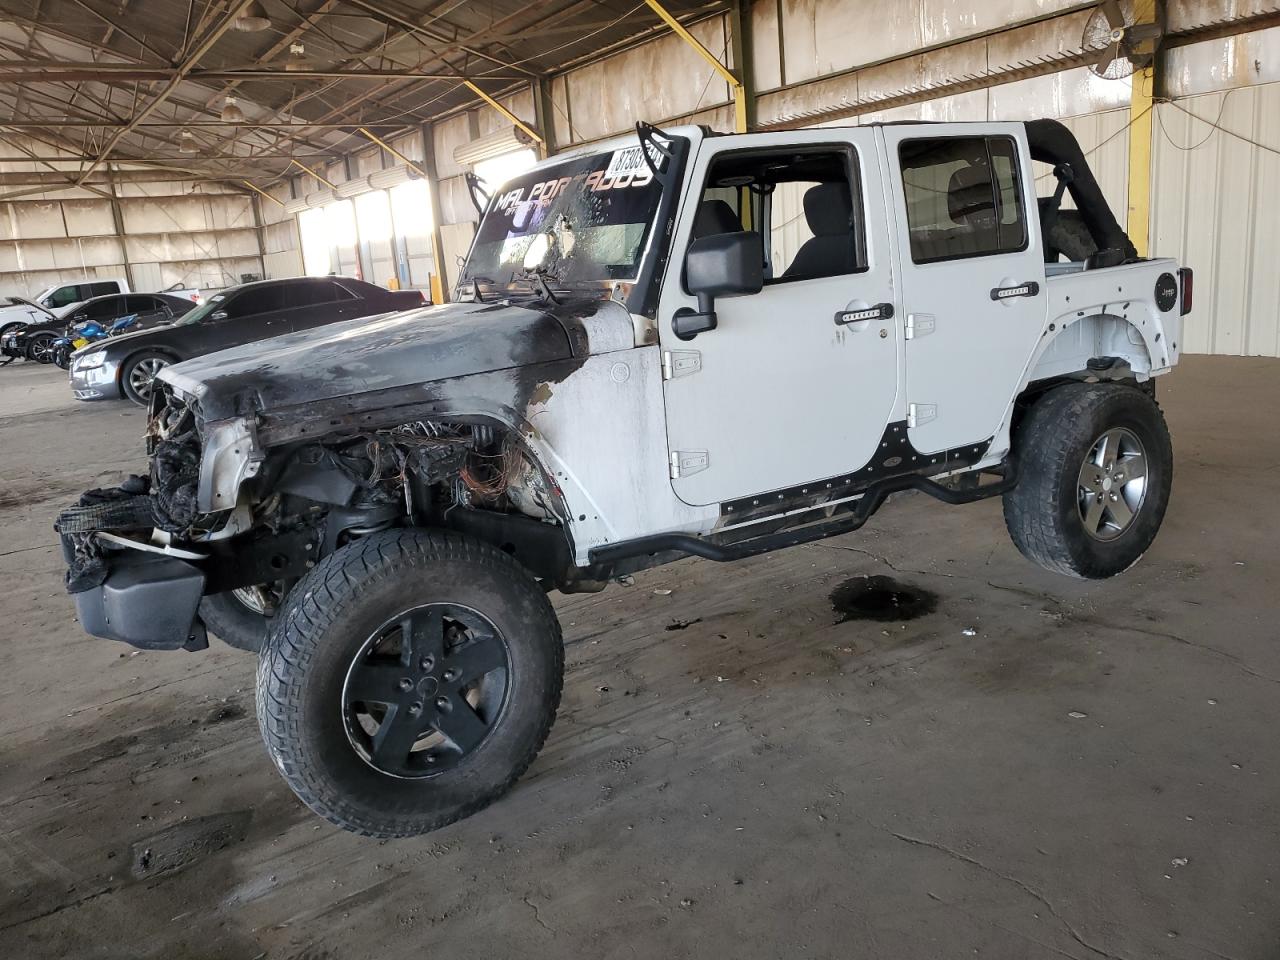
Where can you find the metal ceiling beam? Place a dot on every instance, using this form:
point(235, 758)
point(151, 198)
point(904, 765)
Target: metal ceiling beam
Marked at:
point(29, 72)
point(27, 124)
point(380, 12)
point(114, 25)
point(200, 49)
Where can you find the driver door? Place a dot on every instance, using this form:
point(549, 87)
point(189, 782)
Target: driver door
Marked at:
point(797, 382)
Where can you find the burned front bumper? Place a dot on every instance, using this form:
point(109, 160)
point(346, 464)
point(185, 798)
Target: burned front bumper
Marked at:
point(143, 597)
point(133, 582)
point(9, 345)
point(147, 600)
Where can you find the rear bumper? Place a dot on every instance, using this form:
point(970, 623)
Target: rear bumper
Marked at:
point(147, 600)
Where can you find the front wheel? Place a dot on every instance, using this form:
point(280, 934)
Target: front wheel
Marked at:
point(138, 376)
point(409, 679)
point(1095, 466)
point(40, 347)
point(241, 618)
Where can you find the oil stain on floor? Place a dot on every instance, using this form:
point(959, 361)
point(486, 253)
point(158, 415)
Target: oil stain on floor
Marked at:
point(880, 599)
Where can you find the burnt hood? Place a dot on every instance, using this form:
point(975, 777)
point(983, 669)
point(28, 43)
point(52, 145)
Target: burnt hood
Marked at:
point(369, 354)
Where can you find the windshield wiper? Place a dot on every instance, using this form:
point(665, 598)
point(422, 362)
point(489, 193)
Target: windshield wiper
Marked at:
point(475, 286)
point(537, 277)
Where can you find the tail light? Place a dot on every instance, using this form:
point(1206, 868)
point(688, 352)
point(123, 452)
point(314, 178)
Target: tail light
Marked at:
point(1186, 287)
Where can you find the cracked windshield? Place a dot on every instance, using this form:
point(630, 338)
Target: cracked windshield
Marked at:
point(586, 219)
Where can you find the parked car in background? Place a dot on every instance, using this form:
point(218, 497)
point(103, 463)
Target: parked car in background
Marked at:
point(126, 365)
point(35, 340)
point(16, 312)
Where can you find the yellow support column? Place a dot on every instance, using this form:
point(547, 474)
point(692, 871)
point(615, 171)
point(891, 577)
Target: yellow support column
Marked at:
point(735, 83)
point(1141, 110)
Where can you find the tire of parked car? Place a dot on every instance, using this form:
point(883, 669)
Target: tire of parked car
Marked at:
point(409, 680)
point(40, 347)
point(138, 372)
point(1095, 466)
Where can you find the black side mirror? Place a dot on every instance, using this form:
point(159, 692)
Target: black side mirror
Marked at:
point(722, 265)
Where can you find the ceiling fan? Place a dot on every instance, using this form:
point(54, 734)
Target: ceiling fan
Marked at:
point(1123, 45)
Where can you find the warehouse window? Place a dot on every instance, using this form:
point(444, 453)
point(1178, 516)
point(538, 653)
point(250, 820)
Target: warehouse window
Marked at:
point(498, 170)
point(964, 197)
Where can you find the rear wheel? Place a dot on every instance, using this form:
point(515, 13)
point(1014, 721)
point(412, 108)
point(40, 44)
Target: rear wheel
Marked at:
point(409, 680)
point(139, 374)
point(1095, 466)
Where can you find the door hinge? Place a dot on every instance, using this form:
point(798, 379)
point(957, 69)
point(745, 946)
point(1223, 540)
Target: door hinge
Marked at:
point(920, 325)
point(685, 463)
point(918, 413)
point(680, 363)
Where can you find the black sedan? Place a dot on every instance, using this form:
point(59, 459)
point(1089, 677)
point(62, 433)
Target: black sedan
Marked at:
point(125, 365)
point(35, 340)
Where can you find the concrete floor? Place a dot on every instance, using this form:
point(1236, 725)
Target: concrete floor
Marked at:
point(1093, 774)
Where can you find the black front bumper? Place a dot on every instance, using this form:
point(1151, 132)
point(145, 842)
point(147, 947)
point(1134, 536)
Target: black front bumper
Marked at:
point(144, 599)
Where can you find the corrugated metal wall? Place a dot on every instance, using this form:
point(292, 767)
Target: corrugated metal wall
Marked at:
point(1217, 211)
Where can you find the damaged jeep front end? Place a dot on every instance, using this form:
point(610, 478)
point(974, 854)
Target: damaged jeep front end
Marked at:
point(220, 513)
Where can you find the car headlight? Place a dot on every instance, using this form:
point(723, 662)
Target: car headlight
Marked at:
point(90, 361)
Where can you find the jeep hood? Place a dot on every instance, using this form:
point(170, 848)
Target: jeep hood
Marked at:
point(374, 354)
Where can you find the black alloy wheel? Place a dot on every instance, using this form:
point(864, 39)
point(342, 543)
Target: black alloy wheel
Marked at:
point(425, 690)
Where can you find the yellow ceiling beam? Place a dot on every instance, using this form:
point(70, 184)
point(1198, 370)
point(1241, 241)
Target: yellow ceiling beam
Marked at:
point(735, 84)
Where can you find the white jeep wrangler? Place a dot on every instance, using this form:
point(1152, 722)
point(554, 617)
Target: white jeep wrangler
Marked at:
point(676, 343)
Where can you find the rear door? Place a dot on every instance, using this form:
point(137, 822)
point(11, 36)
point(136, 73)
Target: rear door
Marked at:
point(253, 314)
point(317, 301)
point(972, 273)
point(149, 310)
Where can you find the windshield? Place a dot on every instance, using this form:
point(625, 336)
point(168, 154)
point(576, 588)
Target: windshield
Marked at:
point(202, 311)
point(583, 219)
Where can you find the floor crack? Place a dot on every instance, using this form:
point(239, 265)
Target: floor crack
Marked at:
point(537, 917)
point(1020, 884)
point(884, 560)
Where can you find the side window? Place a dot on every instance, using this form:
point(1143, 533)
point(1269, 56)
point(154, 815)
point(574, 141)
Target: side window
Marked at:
point(102, 310)
point(102, 289)
point(255, 301)
point(65, 296)
point(964, 197)
point(138, 304)
point(806, 204)
point(314, 292)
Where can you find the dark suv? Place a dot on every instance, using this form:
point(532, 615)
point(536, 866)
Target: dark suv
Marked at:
point(126, 365)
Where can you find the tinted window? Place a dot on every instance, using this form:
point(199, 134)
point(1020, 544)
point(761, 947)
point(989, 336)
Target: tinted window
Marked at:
point(255, 301)
point(313, 292)
point(102, 310)
point(138, 304)
point(102, 288)
point(64, 296)
point(964, 198)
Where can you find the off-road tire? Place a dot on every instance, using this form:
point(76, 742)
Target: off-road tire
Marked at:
point(1050, 447)
point(326, 619)
point(126, 372)
point(233, 623)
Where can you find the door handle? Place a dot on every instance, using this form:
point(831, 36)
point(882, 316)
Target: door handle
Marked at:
point(1029, 289)
point(881, 311)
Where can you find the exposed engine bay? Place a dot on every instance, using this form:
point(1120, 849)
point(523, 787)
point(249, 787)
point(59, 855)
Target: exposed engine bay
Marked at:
point(307, 499)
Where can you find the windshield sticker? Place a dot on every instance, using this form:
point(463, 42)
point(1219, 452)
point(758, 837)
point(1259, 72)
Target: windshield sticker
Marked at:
point(630, 160)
